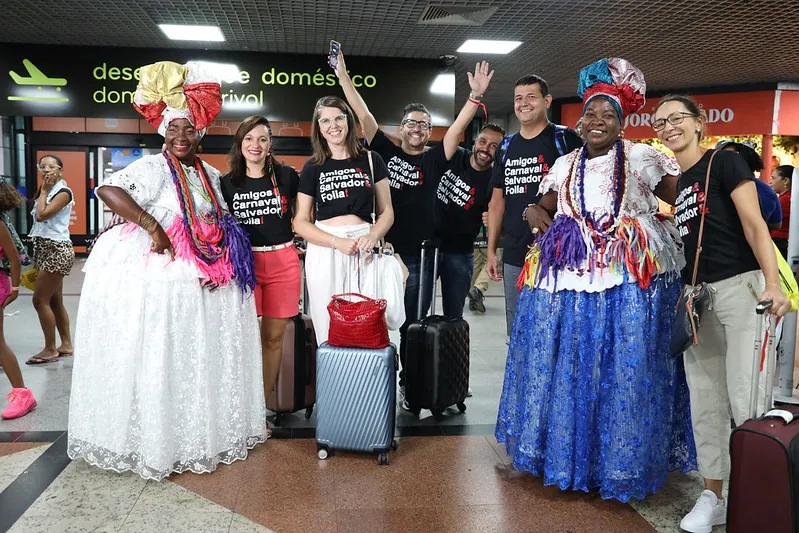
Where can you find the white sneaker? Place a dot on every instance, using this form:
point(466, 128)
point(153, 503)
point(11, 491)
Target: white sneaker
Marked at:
point(709, 511)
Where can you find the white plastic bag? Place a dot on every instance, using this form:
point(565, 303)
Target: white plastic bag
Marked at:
point(382, 277)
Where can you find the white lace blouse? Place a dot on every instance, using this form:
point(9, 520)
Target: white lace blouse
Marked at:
point(646, 167)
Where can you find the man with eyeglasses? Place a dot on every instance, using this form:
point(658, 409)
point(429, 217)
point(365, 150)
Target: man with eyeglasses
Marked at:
point(522, 160)
point(414, 176)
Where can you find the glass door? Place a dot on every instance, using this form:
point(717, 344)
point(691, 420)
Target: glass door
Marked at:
point(110, 160)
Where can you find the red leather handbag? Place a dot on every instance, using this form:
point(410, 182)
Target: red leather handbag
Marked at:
point(357, 324)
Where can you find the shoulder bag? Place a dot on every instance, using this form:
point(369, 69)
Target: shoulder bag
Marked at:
point(694, 298)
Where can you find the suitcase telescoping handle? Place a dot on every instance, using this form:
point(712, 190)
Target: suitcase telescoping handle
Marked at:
point(770, 360)
point(304, 283)
point(425, 245)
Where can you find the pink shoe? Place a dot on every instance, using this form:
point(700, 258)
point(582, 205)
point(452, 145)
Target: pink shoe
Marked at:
point(20, 403)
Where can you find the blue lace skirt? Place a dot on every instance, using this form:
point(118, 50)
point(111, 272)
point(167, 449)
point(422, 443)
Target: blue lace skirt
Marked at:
point(592, 399)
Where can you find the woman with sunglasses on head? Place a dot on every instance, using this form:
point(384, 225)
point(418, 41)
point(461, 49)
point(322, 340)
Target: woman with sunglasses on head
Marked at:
point(260, 193)
point(340, 187)
point(53, 256)
point(739, 263)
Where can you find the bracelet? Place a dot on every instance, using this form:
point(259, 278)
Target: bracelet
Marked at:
point(475, 102)
point(524, 213)
point(147, 221)
point(476, 97)
point(14, 289)
point(333, 242)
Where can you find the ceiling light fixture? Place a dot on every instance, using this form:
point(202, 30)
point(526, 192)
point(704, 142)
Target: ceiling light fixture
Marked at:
point(443, 84)
point(183, 32)
point(479, 46)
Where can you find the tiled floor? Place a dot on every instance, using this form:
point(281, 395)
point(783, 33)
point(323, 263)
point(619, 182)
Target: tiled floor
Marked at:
point(448, 476)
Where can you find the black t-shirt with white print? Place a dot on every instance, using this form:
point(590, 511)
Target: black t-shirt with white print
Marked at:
point(413, 179)
point(518, 174)
point(462, 196)
point(264, 213)
point(725, 250)
point(342, 186)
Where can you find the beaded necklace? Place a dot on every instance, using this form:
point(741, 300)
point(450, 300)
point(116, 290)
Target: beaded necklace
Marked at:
point(206, 229)
point(575, 191)
point(599, 228)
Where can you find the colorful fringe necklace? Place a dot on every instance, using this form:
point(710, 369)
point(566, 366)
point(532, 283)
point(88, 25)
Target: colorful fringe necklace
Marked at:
point(564, 244)
point(205, 230)
point(213, 238)
point(575, 194)
point(611, 241)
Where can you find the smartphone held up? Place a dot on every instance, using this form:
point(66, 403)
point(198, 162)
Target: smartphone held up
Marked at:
point(335, 48)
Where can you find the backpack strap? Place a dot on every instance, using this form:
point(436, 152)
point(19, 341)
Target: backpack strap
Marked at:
point(504, 146)
point(560, 140)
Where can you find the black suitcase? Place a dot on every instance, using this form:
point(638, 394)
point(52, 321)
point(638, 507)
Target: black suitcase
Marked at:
point(437, 357)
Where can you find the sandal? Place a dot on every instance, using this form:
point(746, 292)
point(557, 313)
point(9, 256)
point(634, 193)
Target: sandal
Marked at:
point(37, 360)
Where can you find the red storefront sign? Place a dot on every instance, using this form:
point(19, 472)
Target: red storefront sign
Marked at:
point(744, 113)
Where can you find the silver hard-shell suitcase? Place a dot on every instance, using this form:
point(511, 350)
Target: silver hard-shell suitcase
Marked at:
point(356, 395)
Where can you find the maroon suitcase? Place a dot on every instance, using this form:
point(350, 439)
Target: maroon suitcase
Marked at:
point(295, 388)
point(764, 476)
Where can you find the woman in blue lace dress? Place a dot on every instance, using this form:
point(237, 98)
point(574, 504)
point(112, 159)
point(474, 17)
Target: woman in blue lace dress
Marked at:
point(592, 399)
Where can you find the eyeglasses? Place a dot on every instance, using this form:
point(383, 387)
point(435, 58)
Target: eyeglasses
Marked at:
point(339, 120)
point(45, 168)
point(423, 125)
point(673, 119)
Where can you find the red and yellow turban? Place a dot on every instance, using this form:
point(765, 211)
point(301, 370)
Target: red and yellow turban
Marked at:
point(168, 91)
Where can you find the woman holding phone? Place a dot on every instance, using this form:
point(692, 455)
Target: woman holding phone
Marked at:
point(341, 184)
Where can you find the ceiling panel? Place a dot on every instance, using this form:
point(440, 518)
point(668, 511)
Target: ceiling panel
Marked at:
point(676, 43)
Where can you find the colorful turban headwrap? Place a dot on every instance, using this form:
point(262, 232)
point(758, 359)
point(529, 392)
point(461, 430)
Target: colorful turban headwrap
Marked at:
point(168, 91)
point(616, 80)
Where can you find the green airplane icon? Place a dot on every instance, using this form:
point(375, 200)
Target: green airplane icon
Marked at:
point(39, 79)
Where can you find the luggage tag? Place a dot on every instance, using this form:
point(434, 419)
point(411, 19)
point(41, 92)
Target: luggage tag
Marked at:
point(780, 413)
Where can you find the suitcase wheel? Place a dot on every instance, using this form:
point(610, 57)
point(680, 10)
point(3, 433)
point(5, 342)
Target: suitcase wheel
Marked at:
point(278, 418)
point(415, 411)
point(394, 445)
point(321, 452)
point(438, 414)
point(462, 407)
point(309, 412)
point(382, 458)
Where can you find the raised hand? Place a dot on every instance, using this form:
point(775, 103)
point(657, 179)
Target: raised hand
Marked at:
point(341, 67)
point(479, 81)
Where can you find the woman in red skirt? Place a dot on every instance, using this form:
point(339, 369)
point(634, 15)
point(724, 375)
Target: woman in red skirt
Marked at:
point(260, 193)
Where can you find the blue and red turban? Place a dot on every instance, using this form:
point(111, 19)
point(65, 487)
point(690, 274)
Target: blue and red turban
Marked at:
point(616, 80)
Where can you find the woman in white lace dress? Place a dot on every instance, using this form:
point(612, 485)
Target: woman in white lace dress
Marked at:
point(170, 374)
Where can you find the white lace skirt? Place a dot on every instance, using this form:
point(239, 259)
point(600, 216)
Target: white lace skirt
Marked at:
point(167, 376)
